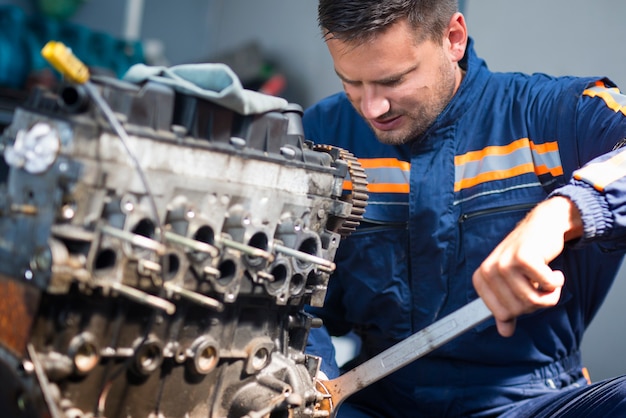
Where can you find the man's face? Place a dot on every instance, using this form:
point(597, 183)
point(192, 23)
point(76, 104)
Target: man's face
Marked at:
point(397, 85)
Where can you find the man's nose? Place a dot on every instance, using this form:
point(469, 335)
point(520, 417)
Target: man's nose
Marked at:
point(373, 104)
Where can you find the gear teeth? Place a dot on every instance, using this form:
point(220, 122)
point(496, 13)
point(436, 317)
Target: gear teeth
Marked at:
point(358, 197)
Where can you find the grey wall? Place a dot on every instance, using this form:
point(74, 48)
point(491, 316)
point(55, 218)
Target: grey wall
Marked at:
point(558, 36)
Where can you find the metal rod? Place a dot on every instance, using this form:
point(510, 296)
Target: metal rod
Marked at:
point(195, 297)
point(267, 276)
point(309, 258)
point(246, 249)
point(144, 298)
point(212, 271)
point(43, 382)
point(135, 239)
point(125, 140)
point(195, 245)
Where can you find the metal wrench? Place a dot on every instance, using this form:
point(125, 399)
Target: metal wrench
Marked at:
point(417, 345)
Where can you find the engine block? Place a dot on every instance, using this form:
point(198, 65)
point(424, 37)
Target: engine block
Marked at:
point(166, 276)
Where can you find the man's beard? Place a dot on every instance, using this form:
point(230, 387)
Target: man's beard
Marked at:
point(420, 119)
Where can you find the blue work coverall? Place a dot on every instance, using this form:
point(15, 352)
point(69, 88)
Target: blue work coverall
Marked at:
point(439, 206)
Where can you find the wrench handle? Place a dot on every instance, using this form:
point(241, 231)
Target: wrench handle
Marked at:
point(405, 352)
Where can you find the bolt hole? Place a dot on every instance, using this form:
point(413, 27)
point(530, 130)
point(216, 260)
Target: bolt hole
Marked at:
point(227, 269)
point(145, 228)
point(105, 259)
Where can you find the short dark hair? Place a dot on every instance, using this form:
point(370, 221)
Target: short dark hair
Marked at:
point(359, 20)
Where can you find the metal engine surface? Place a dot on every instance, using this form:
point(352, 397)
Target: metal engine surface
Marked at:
point(179, 296)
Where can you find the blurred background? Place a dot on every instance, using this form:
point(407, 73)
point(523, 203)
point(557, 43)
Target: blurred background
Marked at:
point(275, 47)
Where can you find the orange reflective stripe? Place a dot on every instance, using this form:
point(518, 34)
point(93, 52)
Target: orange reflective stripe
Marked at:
point(544, 169)
point(603, 85)
point(506, 149)
point(494, 175)
point(384, 163)
point(492, 150)
point(543, 148)
point(608, 99)
point(603, 173)
point(388, 188)
point(381, 187)
point(610, 95)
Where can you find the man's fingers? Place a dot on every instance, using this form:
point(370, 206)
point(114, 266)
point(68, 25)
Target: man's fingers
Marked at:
point(504, 306)
point(515, 295)
point(546, 291)
point(506, 328)
point(541, 276)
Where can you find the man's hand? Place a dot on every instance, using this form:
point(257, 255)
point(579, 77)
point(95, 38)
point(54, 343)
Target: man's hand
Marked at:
point(515, 278)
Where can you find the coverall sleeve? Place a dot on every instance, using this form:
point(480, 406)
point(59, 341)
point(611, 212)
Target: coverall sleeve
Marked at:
point(598, 190)
point(598, 186)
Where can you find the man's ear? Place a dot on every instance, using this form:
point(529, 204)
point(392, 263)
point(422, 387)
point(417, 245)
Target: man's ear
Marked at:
point(456, 37)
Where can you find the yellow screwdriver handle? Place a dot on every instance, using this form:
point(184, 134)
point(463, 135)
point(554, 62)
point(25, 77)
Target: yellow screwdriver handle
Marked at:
point(64, 61)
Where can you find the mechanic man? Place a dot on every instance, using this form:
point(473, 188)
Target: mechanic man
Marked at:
point(457, 156)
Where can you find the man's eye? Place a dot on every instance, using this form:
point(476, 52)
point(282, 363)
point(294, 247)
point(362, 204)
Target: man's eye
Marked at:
point(391, 83)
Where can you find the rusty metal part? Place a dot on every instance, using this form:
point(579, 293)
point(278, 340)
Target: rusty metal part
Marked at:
point(17, 313)
point(417, 345)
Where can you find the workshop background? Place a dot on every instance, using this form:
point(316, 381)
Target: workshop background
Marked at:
point(275, 46)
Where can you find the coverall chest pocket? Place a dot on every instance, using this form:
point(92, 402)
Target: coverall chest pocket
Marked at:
point(480, 231)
